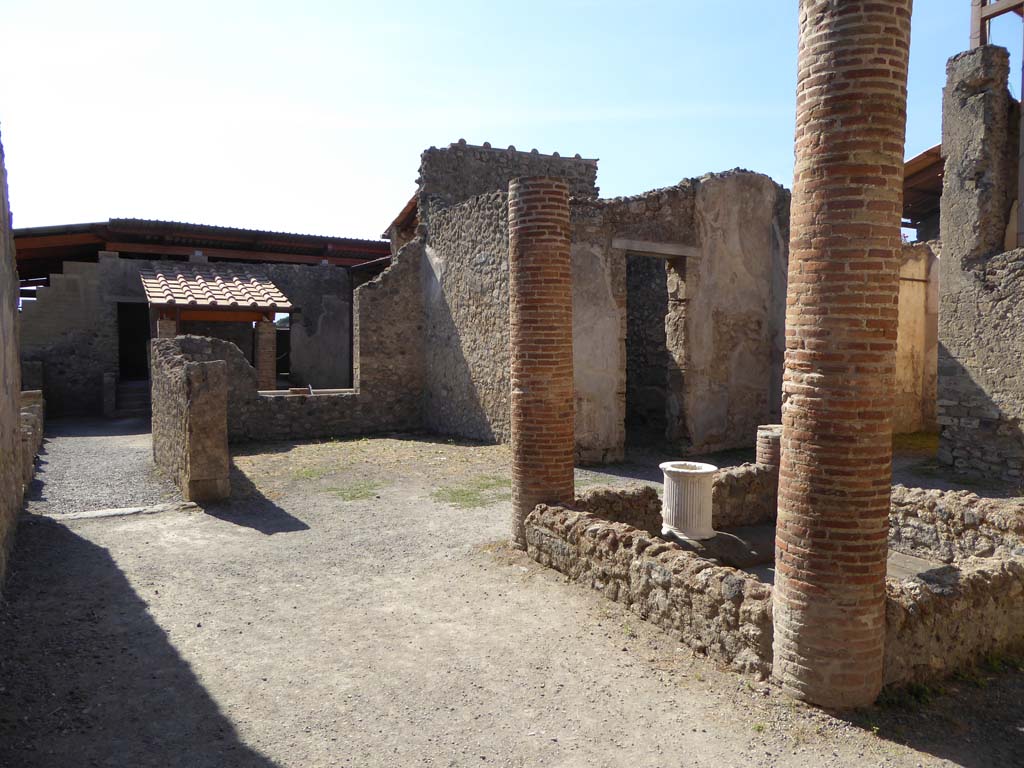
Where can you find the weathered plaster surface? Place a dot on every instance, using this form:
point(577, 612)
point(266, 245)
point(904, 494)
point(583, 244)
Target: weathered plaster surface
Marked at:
point(917, 341)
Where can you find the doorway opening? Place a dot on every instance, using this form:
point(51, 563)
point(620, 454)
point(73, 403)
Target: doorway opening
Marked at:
point(133, 341)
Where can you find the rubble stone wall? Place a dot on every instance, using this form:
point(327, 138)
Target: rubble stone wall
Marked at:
point(951, 618)
point(31, 422)
point(716, 610)
point(981, 380)
point(450, 175)
point(190, 421)
point(466, 303)
point(744, 495)
point(954, 525)
point(11, 472)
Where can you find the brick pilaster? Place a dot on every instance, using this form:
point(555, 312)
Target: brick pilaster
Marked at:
point(835, 476)
point(540, 280)
point(266, 355)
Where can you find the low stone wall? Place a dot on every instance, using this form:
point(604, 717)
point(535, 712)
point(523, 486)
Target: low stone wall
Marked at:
point(190, 421)
point(744, 495)
point(33, 411)
point(716, 610)
point(953, 525)
point(952, 617)
point(938, 622)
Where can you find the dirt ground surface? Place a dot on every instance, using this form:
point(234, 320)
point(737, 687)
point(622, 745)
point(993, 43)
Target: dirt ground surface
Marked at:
point(354, 604)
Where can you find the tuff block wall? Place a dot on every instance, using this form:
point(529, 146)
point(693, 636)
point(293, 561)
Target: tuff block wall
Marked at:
point(841, 328)
point(11, 480)
point(541, 339)
point(980, 379)
point(190, 421)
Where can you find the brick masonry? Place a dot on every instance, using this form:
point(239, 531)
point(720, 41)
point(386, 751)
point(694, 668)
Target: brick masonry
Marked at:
point(540, 335)
point(981, 307)
point(841, 328)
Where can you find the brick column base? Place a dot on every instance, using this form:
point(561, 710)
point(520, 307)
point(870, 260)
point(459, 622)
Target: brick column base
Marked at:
point(540, 282)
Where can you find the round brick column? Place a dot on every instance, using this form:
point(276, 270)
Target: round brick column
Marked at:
point(835, 476)
point(540, 284)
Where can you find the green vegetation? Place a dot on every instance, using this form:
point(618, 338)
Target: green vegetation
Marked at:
point(357, 490)
point(310, 473)
point(481, 491)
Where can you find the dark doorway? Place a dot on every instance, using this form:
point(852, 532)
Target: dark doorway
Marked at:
point(647, 358)
point(133, 341)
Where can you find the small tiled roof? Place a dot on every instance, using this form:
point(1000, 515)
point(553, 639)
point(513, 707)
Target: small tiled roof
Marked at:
point(211, 285)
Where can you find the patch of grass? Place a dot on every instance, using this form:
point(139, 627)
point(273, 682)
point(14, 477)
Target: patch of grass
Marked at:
point(358, 490)
point(481, 491)
point(628, 630)
point(309, 473)
point(759, 727)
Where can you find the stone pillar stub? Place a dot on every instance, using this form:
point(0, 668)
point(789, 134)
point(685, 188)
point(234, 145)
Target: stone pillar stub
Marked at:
point(841, 323)
point(979, 179)
point(540, 280)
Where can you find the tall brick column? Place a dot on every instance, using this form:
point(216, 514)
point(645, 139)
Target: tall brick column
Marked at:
point(835, 476)
point(540, 282)
point(266, 355)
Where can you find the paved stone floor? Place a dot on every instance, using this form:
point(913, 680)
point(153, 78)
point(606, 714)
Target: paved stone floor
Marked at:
point(353, 605)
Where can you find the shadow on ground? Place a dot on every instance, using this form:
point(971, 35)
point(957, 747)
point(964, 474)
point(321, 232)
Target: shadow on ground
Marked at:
point(974, 720)
point(88, 678)
point(91, 427)
point(248, 507)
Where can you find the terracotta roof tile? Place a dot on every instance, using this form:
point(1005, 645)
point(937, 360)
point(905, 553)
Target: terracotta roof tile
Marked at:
point(211, 285)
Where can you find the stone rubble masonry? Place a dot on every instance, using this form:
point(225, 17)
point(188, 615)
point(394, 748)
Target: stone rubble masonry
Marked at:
point(452, 175)
point(190, 421)
point(950, 618)
point(981, 310)
point(950, 526)
point(841, 328)
point(11, 466)
point(33, 413)
point(540, 336)
point(715, 610)
point(266, 355)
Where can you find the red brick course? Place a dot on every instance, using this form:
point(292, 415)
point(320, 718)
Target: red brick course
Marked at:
point(835, 476)
point(540, 285)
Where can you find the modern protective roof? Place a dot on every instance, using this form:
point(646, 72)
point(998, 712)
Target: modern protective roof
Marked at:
point(219, 286)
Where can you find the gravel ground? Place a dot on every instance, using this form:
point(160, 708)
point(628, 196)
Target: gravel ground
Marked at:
point(96, 464)
point(353, 605)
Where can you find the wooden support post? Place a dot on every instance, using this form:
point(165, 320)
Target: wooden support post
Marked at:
point(979, 27)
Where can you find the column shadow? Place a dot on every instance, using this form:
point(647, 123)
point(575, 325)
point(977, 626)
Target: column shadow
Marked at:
point(89, 678)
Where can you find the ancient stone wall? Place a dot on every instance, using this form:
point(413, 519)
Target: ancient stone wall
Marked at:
point(744, 495)
point(32, 416)
point(466, 310)
point(917, 341)
point(730, 361)
point(11, 472)
point(715, 610)
point(981, 379)
point(953, 618)
point(190, 421)
point(451, 175)
point(71, 331)
point(954, 525)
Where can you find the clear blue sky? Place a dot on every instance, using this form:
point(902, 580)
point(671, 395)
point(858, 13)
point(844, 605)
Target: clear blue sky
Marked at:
point(310, 116)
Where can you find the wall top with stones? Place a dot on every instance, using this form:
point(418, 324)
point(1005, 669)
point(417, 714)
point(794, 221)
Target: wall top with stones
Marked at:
point(686, 186)
point(451, 175)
